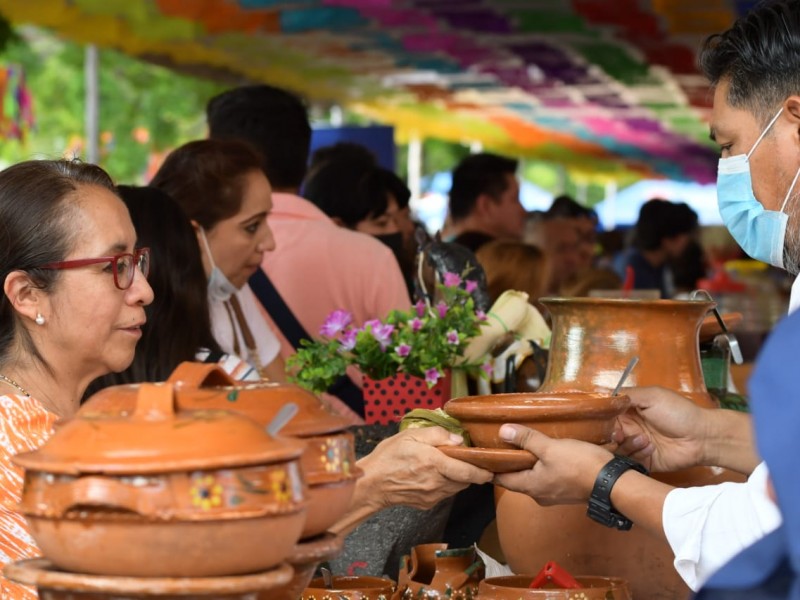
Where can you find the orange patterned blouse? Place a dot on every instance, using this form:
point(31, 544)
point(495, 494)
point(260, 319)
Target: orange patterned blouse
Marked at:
point(24, 425)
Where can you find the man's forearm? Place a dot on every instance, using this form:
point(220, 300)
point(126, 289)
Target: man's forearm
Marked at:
point(641, 499)
point(730, 443)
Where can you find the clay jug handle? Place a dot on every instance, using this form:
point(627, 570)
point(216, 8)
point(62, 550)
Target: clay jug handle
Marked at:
point(195, 374)
point(155, 401)
point(101, 492)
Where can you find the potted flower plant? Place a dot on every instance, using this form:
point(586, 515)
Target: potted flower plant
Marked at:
point(405, 359)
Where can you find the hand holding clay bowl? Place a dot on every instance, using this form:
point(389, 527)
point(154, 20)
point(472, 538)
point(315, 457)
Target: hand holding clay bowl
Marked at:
point(585, 416)
point(350, 588)
point(328, 462)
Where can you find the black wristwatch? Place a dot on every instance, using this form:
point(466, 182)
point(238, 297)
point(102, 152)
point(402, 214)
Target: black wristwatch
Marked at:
point(600, 507)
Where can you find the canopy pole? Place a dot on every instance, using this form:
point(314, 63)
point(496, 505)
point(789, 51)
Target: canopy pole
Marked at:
point(92, 103)
point(415, 166)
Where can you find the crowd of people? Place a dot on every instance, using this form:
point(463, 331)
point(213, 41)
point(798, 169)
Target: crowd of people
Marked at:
point(224, 252)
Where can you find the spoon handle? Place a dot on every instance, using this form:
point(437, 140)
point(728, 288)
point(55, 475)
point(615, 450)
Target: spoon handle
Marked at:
point(631, 363)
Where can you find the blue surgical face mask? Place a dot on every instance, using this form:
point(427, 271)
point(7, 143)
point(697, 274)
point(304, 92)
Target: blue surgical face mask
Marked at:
point(758, 231)
point(219, 287)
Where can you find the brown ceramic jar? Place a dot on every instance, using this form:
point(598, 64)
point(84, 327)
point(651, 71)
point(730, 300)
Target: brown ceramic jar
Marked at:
point(592, 342)
point(360, 587)
point(159, 494)
point(432, 571)
point(328, 462)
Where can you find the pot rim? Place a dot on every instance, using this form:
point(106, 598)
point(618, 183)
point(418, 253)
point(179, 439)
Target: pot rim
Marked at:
point(661, 303)
point(495, 583)
point(535, 406)
point(319, 478)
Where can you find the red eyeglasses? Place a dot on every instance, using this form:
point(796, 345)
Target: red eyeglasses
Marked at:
point(123, 265)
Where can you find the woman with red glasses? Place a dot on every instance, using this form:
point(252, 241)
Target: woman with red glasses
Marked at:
point(72, 308)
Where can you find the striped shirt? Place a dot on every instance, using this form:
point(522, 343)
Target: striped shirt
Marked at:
point(24, 426)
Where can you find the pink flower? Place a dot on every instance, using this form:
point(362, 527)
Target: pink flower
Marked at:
point(383, 334)
point(432, 376)
point(471, 286)
point(451, 280)
point(415, 324)
point(481, 316)
point(452, 337)
point(403, 350)
point(336, 321)
point(442, 308)
point(348, 341)
point(420, 308)
point(372, 324)
point(487, 368)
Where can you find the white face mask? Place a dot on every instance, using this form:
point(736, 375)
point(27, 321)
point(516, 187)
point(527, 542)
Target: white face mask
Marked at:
point(219, 287)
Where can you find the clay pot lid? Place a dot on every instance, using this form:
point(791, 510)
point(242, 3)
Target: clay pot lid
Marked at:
point(156, 439)
point(204, 386)
point(543, 406)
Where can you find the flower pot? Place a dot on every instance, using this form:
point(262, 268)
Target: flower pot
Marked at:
point(387, 400)
point(593, 340)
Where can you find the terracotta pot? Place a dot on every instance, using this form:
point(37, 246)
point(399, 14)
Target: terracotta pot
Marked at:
point(329, 456)
point(593, 340)
point(160, 494)
point(515, 587)
point(360, 587)
point(54, 584)
point(432, 571)
point(388, 400)
point(304, 560)
point(575, 415)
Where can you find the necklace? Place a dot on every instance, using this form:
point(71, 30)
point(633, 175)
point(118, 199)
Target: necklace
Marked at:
point(13, 383)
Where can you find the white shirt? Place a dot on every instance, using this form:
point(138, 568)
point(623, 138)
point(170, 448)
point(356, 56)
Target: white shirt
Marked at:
point(227, 331)
point(702, 539)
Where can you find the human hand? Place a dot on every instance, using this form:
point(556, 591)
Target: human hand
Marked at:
point(407, 469)
point(565, 472)
point(662, 429)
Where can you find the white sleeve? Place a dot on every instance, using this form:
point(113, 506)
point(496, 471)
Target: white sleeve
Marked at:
point(266, 341)
point(707, 526)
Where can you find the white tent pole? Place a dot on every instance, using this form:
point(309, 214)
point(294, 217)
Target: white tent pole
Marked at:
point(415, 166)
point(92, 102)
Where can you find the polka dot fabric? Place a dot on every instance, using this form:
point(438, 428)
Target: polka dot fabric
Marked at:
point(387, 400)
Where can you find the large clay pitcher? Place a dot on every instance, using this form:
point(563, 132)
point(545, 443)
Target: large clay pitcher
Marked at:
point(593, 340)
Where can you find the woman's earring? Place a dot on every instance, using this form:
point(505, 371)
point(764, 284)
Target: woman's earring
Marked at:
point(39, 319)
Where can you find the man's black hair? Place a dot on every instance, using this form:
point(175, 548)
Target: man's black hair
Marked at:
point(475, 175)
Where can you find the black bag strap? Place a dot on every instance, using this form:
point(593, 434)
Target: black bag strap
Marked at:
point(294, 332)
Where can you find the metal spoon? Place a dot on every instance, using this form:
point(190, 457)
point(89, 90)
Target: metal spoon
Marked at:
point(733, 343)
point(631, 363)
point(327, 577)
point(284, 415)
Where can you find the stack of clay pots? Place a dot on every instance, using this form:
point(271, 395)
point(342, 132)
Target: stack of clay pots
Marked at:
point(319, 476)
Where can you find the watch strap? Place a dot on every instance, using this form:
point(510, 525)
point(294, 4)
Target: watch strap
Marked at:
point(600, 508)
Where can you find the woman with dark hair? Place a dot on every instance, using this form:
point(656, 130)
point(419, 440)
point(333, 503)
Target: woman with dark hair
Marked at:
point(180, 305)
point(223, 192)
point(72, 309)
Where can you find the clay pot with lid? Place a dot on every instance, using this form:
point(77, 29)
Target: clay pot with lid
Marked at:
point(328, 462)
point(160, 493)
point(592, 341)
point(516, 587)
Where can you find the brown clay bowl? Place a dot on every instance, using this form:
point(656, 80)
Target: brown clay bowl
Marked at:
point(515, 587)
point(352, 588)
point(304, 560)
point(327, 502)
point(573, 415)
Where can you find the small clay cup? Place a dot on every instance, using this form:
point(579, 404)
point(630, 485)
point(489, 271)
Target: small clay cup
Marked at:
point(571, 415)
point(515, 587)
point(352, 588)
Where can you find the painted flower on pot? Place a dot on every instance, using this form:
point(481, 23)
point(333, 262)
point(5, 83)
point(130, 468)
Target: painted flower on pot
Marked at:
point(423, 342)
point(206, 491)
point(280, 486)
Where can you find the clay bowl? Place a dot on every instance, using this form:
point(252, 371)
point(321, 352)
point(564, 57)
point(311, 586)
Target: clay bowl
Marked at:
point(515, 587)
point(352, 588)
point(164, 494)
point(304, 560)
point(328, 462)
point(573, 415)
point(55, 584)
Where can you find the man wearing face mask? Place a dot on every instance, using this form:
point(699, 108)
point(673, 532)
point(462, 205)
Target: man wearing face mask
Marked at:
point(755, 68)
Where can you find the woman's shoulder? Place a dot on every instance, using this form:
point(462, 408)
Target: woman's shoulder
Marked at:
point(25, 424)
